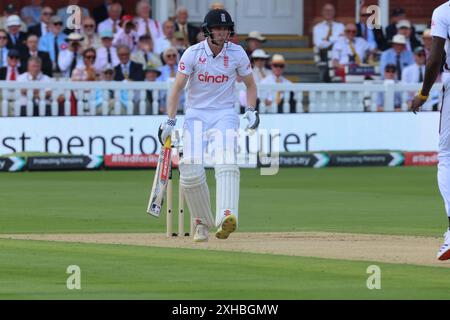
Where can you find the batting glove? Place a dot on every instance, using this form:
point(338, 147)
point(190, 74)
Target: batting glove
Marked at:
point(165, 130)
point(253, 119)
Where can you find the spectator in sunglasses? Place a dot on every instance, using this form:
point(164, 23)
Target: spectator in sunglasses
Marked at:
point(390, 77)
point(16, 38)
point(54, 42)
point(43, 26)
point(415, 74)
point(11, 71)
point(350, 49)
point(271, 101)
point(373, 36)
point(168, 73)
point(86, 72)
point(91, 38)
point(31, 14)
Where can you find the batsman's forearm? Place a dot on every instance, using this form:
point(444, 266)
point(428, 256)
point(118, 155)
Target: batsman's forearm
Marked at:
point(431, 74)
point(172, 104)
point(251, 96)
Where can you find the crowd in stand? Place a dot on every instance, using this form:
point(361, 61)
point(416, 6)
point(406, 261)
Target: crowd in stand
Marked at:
point(396, 51)
point(37, 45)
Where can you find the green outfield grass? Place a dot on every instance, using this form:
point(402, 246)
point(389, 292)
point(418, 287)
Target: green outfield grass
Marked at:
point(363, 200)
point(360, 200)
point(37, 270)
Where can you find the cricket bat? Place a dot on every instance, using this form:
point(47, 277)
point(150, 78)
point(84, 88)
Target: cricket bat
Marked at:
point(161, 179)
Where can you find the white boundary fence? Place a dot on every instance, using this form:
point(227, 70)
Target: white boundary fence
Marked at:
point(128, 98)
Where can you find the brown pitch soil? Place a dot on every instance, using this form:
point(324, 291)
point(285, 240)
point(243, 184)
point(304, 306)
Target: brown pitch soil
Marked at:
point(360, 247)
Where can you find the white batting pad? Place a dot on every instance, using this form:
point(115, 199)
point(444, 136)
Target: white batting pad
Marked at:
point(193, 181)
point(227, 193)
point(444, 181)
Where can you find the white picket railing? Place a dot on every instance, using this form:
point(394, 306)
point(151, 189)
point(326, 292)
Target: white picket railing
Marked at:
point(116, 98)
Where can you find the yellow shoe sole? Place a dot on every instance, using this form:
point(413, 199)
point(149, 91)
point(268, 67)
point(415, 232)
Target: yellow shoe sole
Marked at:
point(229, 226)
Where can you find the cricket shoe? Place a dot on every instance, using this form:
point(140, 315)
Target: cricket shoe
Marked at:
point(228, 226)
point(201, 233)
point(444, 251)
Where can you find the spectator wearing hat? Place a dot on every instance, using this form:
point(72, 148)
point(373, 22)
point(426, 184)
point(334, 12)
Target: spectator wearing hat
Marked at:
point(101, 98)
point(127, 35)
point(107, 53)
point(127, 69)
point(16, 38)
point(415, 73)
point(54, 42)
point(259, 60)
point(152, 74)
point(397, 55)
point(33, 51)
point(112, 22)
point(62, 12)
point(182, 25)
point(350, 49)
point(3, 48)
point(71, 57)
point(179, 42)
point(91, 38)
point(43, 26)
point(167, 40)
point(254, 41)
point(145, 54)
point(327, 32)
point(278, 64)
point(398, 14)
point(404, 28)
point(146, 25)
point(372, 35)
point(31, 14)
point(34, 74)
point(10, 10)
point(390, 77)
point(11, 71)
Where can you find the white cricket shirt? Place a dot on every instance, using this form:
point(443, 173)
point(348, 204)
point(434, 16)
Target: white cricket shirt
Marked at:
point(440, 27)
point(211, 83)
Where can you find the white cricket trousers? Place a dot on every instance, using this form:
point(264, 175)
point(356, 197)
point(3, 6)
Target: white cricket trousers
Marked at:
point(444, 148)
point(210, 134)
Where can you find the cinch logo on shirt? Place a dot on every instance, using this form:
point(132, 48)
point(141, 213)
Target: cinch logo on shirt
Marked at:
point(206, 77)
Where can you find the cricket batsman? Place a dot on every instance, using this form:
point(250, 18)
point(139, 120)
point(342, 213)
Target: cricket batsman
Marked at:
point(440, 30)
point(208, 71)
